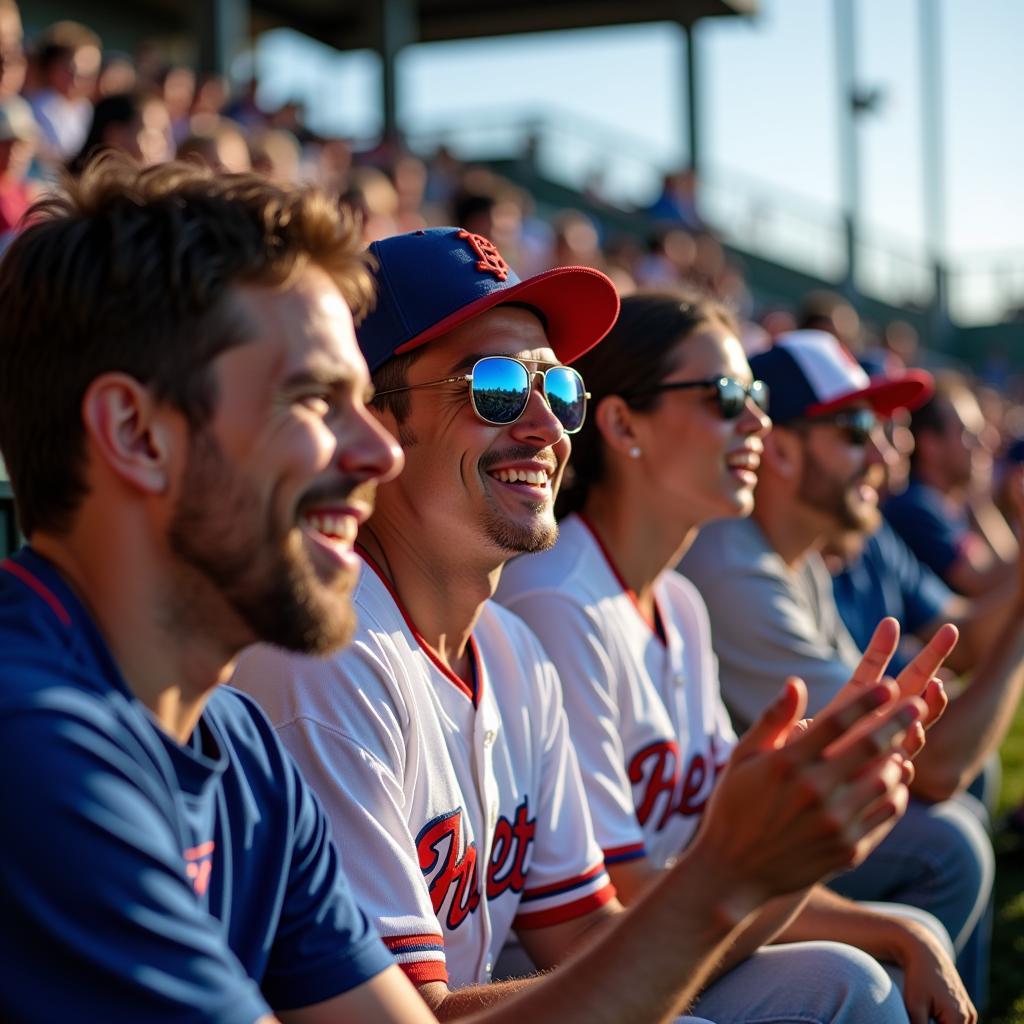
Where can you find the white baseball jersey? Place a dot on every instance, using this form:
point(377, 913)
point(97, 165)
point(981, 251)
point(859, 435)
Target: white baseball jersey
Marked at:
point(459, 812)
point(645, 714)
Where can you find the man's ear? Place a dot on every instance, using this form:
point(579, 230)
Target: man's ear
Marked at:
point(616, 424)
point(129, 431)
point(783, 453)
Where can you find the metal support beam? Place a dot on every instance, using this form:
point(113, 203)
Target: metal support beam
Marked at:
point(398, 29)
point(849, 150)
point(693, 136)
point(222, 29)
point(934, 165)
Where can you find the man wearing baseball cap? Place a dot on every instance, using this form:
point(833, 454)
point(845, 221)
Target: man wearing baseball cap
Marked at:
point(821, 470)
point(438, 743)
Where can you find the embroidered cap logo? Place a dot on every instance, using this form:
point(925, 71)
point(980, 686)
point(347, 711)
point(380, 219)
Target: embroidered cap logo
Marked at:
point(489, 260)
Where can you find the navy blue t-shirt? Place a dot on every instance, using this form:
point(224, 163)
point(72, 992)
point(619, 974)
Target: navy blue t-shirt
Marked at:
point(922, 518)
point(141, 880)
point(888, 579)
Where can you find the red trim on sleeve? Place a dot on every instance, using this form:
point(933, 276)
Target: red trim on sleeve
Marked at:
point(567, 911)
point(616, 854)
point(422, 971)
point(401, 943)
point(564, 884)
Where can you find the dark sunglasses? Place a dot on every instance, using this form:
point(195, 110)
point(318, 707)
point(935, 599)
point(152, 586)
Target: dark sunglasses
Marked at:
point(500, 386)
point(857, 424)
point(730, 394)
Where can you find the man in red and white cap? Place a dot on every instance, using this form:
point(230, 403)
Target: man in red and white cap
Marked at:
point(773, 613)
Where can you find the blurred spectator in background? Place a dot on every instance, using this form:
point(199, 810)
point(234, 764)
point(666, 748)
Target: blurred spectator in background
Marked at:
point(443, 174)
point(244, 110)
point(179, 90)
point(277, 154)
point(333, 166)
point(677, 203)
point(670, 259)
point(66, 64)
point(576, 241)
point(947, 514)
point(829, 311)
point(117, 75)
point(18, 134)
point(211, 96)
point(129, 123)
point(12, 55)
point(374, 201)
point(217, 143)
point(409, 177)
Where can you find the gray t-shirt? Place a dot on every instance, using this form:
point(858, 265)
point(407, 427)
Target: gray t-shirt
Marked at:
point(768, 621)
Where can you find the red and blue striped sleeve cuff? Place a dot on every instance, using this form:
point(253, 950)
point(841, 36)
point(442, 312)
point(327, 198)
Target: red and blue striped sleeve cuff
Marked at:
point(565, 900)
point(619, 854)
point(420, 956)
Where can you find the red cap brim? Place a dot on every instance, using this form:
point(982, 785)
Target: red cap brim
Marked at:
point(885, 395)
point(580, 305)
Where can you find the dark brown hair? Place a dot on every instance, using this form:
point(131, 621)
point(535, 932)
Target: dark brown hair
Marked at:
point(636, 355)
point(132, 271)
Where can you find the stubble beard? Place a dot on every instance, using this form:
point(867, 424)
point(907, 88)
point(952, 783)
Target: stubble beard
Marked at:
point(820, 490)
point(261, 572)
point(519, 539)
point(509, 536)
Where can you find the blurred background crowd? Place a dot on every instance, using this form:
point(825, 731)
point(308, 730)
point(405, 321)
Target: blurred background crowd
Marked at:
point(64, 98)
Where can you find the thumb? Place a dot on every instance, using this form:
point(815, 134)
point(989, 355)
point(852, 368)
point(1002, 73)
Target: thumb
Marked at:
point(777, 720)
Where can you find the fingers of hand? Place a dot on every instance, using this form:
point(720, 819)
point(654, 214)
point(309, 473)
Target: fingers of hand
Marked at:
point(853, 819)
point(774, 727)
point(875, 735)
point(834, 722)
point(929, 659)
point(935, 697)
point(878, 653)
point(913, 742)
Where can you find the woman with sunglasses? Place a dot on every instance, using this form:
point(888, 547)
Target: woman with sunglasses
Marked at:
point(673, 441)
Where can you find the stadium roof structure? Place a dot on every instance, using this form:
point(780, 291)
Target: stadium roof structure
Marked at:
point(354, 24)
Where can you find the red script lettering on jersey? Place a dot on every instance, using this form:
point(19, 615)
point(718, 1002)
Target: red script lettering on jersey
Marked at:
point(450, 870)
point(654, 769)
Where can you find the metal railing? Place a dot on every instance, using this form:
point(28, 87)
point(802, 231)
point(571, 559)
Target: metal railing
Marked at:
point(754, 216)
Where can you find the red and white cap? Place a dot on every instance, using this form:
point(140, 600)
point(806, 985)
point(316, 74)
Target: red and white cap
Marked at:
point(809, 373)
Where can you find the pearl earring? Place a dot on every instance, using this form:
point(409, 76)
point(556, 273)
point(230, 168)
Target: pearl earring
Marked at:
point(634, 452)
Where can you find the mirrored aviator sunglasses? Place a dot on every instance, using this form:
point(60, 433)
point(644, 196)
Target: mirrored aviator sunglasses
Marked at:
point(499, 391)
point(499, 388)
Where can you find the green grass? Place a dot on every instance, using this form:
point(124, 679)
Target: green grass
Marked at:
point(1006, 1002)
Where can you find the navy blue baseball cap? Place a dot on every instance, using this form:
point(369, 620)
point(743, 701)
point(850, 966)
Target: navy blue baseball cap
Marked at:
point(431, 281)
point(809, 373)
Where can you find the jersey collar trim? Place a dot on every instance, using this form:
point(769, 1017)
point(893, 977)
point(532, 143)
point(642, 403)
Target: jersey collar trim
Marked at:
point(656, 627)
point(472, 692)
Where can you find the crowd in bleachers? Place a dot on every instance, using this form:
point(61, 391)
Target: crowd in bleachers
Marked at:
point(951, 464)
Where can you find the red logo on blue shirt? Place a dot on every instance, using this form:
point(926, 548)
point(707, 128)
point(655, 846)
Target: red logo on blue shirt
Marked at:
point(198, 865)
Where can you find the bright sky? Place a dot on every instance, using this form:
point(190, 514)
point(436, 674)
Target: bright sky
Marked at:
point(614, 98)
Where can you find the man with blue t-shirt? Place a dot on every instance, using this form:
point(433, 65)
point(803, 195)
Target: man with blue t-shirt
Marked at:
point(170, 342)
point(946, 514)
